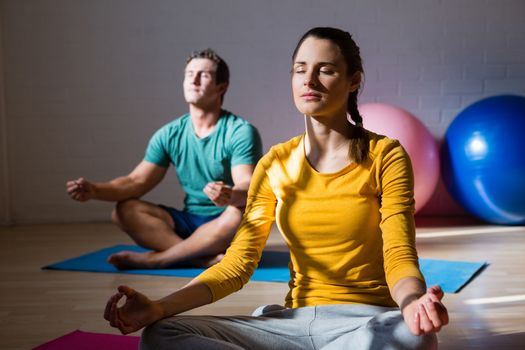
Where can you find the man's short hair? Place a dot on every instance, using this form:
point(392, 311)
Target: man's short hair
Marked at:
point(223, 73)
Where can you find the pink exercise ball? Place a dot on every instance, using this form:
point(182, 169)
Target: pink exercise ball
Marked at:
point(399, 124)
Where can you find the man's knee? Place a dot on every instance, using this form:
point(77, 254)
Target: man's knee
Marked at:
point(114, 217)
point(124, 210)
point(228, 224)
point(230, 219)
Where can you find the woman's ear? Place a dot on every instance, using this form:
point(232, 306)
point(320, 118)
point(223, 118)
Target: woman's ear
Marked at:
point(355, 81)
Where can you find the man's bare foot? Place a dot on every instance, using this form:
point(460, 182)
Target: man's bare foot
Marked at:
point(208, 260)
point(133, 260)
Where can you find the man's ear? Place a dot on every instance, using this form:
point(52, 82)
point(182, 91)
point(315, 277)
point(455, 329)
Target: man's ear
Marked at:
point(223, 87)
point(355, 81)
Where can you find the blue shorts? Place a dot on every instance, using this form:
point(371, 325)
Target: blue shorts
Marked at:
point(186, 223)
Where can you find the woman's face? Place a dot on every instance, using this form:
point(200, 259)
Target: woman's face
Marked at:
point(320, 83)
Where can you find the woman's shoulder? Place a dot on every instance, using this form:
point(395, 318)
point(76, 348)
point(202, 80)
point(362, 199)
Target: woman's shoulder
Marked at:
point(381, 144)
point(287, 146)
point(283, 150)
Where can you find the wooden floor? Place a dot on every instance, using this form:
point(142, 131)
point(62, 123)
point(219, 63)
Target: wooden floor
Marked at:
point(39, 305)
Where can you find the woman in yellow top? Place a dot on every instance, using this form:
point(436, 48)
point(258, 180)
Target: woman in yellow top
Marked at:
point(342, 198)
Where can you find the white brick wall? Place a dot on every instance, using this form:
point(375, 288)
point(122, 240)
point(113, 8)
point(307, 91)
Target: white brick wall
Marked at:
point(88, 82)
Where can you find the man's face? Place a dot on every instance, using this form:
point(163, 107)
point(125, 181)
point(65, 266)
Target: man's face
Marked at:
point(200, 88)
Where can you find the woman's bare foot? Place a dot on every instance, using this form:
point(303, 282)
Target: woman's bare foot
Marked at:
point(133, 260)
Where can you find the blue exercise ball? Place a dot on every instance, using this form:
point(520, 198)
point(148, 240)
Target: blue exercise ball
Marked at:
point(483, 159)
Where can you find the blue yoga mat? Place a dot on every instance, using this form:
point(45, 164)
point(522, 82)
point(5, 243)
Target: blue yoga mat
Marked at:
point(452, 276)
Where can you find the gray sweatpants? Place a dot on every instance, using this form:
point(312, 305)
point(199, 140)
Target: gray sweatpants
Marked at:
point(337, 327)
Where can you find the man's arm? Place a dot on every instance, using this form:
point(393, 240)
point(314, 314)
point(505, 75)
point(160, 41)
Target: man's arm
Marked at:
point(134, 185)
point(241, 175)
point(223, 195)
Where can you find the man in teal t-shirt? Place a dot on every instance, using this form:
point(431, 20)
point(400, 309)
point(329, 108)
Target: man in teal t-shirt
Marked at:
point(214, 153)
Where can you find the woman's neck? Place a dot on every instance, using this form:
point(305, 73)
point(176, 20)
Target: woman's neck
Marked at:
point(327, 142)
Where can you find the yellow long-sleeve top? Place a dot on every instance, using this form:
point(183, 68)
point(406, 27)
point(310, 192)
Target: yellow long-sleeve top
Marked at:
point(351, 234)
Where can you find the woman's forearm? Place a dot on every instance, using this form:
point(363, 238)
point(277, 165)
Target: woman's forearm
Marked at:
point(407, 290)
point(189, 297)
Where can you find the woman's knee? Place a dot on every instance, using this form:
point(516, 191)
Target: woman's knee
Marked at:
point(391, 330)
point(162, 332)
point(415, 342)
point(166, 333)
point(429, 342)
point(151, 336)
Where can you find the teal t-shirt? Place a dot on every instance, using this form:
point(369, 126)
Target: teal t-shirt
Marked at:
point(198, 161)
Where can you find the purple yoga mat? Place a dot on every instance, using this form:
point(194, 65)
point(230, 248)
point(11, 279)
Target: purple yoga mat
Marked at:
point(79, 340)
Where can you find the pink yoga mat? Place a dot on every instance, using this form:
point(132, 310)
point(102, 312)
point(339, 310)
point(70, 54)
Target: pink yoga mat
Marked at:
point(79, 340)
